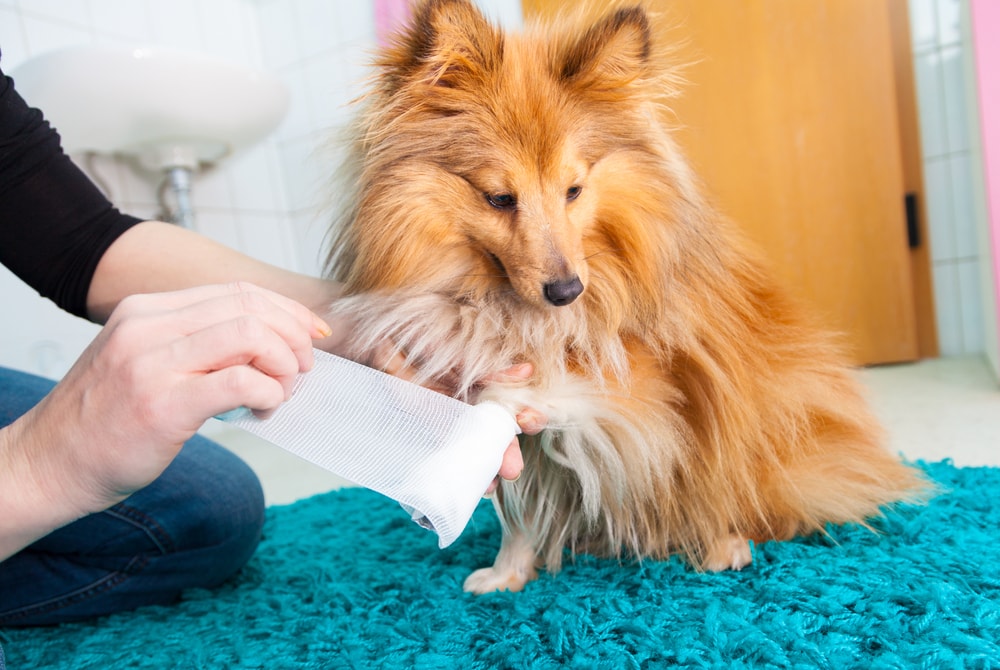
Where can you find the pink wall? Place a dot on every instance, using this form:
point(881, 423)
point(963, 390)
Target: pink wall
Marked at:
point(986, 43)
point(389, 15)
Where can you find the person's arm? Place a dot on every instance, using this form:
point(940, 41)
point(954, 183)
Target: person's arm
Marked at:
point(153, 256)
point(163, 365)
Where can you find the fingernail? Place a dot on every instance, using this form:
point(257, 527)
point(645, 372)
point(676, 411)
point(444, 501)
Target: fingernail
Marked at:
point(321, 327)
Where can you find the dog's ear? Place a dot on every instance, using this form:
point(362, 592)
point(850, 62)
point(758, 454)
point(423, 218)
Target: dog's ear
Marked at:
point(447, 43)
point(614, 52)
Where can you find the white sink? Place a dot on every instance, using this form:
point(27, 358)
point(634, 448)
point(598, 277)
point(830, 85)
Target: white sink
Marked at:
point(169, 108)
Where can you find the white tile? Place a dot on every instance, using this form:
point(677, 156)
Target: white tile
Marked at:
point(937, 193)
point(304, 177)
point(177, 24)
point(358, 70)
point(124, 19)
point(225, 26)
point(328, 89)
point(318, 26)
point(63, 11)
point(278, 34)
point(334, 84)
point(298, 120)
point(255, 179)
point(947, 305)
point(356, 21)
point(210, 188)
point(47, 340)
point(923, 24)
point(969, 287)
point(252, 35)
point(309, 230)
point(267, 237)
point(138, 186)
point(930, 103)
point(221, 226)
point(12, 43)
point(44, 35)
point(506, 13)
point(949, 21)
point(963, 218)
point(956, 114)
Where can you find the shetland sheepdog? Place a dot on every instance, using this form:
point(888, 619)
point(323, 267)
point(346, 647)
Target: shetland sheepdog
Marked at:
point(518, 197)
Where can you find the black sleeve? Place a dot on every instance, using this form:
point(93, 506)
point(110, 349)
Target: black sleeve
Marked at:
point(54, 222)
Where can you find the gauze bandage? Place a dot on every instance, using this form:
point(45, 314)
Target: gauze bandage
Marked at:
point(434, 455)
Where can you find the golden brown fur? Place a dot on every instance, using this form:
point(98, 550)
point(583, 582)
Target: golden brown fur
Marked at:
point(692, 405)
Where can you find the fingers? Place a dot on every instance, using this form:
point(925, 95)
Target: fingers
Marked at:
point(244, 294)
point(212, 348)
point(510, 467)
point(513, 462)
point(531, 421)
point(250, 319)
point(236, 386)
point(215, 326)
point(242, 341)
point(185, 312)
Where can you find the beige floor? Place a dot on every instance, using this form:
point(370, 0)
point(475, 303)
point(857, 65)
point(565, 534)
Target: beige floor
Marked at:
point(934, 409)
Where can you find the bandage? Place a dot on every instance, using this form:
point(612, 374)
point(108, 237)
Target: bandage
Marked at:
point(434, 455)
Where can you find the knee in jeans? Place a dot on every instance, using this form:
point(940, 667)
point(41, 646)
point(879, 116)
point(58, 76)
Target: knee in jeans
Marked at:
point(225, 509)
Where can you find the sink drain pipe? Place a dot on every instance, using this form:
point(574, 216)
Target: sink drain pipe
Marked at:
point(179, 181)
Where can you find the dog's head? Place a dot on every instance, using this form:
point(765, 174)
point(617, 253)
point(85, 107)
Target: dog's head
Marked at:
point(508, 164)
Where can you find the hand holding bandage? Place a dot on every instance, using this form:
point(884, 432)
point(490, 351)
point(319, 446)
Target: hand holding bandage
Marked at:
point(429, 452)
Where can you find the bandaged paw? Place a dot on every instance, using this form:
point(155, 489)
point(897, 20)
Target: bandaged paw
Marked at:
point(434, 455)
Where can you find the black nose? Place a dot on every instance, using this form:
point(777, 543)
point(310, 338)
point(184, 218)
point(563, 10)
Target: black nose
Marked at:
point(561, 293)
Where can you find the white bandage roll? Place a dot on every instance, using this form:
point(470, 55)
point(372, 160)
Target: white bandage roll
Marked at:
point(434, 455)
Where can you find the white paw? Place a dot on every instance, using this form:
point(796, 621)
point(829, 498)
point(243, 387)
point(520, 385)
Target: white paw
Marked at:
point(488, 580)
point(731, 553)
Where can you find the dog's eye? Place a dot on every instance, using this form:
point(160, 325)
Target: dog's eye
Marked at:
point(501, 200)
point(573, 192)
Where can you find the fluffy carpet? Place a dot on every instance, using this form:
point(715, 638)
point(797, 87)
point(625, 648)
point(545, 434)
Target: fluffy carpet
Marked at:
point(345, 580)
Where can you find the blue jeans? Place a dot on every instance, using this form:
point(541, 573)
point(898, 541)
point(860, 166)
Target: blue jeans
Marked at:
point(195, 526)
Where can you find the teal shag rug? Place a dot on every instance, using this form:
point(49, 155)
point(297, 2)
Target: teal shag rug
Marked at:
point(346, 580)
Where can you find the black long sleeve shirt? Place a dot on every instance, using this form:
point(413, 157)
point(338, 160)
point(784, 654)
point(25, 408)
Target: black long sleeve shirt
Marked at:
point(54, 222)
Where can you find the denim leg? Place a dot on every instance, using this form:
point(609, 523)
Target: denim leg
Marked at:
point(195, 526)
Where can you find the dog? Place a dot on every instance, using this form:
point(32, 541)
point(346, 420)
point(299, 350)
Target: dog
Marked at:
point(518, 197)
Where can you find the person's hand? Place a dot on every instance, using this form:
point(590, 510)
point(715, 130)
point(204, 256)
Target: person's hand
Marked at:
point(162, 366)
point(530, 420)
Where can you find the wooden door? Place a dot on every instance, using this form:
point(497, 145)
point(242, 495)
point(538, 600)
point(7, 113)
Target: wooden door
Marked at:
point(790, 117)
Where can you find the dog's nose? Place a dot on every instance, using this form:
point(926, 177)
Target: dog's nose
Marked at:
point(563, 292)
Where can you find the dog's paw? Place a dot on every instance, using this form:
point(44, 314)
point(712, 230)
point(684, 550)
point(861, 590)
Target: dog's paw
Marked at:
point(488, 580)
point(730, 553)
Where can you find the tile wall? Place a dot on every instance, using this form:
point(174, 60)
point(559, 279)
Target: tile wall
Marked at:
point(941, 51)
point(271, 201)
